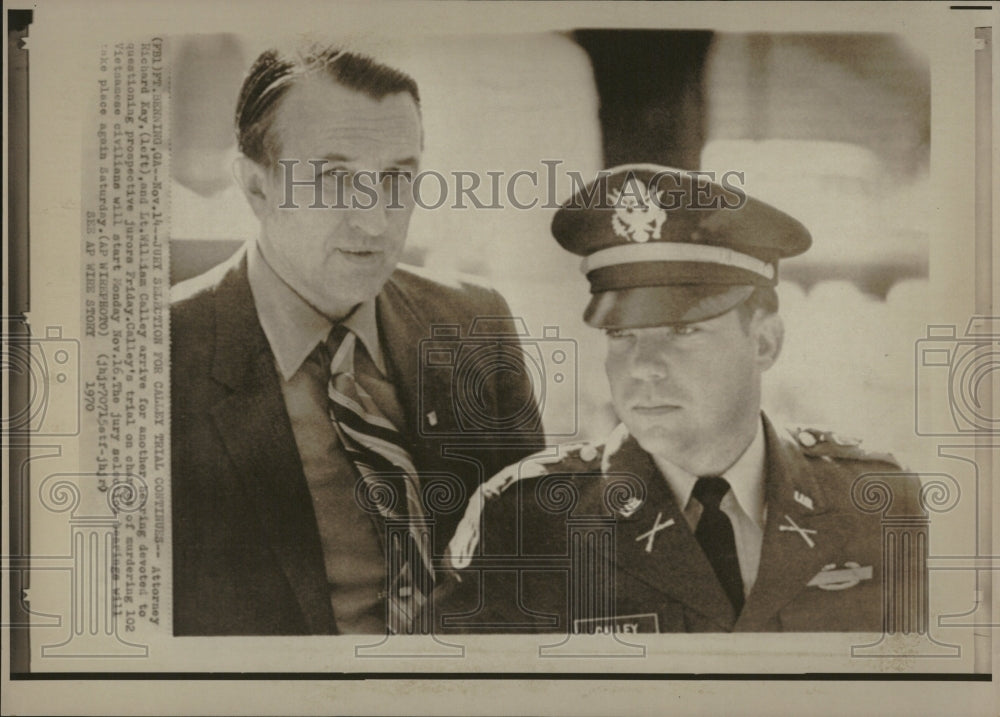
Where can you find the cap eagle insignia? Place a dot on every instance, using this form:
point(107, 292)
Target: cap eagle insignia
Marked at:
point(637, 216)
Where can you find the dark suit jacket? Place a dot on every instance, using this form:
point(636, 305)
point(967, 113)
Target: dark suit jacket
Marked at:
point(520, 580)
point(247, 555)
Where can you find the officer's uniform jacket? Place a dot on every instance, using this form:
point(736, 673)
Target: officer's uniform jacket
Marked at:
point(821, 563)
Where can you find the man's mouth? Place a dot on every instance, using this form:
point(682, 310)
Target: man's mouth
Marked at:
point(359, 255)
point(654, 409)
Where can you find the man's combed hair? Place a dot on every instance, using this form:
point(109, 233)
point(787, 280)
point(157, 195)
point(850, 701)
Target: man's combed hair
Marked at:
point(273, 74)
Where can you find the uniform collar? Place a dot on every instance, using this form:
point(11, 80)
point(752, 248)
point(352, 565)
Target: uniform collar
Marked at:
point(293, 327)
point(745, 477)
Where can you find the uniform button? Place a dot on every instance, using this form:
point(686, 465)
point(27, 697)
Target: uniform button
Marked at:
point(807, 439)
point(588, 453)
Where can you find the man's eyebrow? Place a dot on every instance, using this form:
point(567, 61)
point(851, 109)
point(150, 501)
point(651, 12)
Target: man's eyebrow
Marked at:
point(410, 161)
point(336, 158)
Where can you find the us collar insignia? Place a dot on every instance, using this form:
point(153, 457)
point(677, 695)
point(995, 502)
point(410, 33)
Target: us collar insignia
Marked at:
point(803, 499)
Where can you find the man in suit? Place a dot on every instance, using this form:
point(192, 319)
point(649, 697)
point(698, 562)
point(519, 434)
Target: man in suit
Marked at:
point(696, 514)
point(303, 504)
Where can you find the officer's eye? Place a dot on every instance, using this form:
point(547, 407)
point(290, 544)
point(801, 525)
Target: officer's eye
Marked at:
point(684, 329)
point(618, 333)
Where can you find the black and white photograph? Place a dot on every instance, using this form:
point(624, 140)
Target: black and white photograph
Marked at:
point(408, 351)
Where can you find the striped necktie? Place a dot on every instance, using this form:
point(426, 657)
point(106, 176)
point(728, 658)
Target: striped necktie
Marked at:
point(374, 445)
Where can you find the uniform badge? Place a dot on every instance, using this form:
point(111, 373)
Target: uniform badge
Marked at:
point(804, 532)
point(832, 578)
point(637, 216)
point(631, 505)
point(650, 535)
point(628, 624)
point(803, 499)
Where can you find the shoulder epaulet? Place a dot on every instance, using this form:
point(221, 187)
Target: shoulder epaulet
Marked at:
point(827, 444)
point(570, 457)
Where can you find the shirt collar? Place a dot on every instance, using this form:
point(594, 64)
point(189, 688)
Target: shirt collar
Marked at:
point(293, 327)
point(745, 478)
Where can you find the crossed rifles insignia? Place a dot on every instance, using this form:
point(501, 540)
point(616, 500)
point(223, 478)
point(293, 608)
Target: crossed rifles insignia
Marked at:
point(650, 535)
point(804, 532)
point(829, 578)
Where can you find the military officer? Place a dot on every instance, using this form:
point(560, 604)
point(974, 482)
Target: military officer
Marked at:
point(697, 513)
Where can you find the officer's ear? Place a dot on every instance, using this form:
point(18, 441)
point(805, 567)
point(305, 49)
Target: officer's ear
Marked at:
point(769, 332)
point(253, 179)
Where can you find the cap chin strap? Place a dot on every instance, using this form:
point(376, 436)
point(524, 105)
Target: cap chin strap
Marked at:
point(676, 251)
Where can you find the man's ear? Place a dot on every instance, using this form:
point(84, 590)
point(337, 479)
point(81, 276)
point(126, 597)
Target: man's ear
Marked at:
point(253, 180)
point(770, 335)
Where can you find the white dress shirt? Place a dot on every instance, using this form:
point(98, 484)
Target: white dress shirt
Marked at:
point(743, 504)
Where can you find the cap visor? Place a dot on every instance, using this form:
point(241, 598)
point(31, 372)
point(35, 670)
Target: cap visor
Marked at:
point(646, 306)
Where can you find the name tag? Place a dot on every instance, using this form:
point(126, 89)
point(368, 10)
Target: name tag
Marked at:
point(624, 624)
point(841, 579)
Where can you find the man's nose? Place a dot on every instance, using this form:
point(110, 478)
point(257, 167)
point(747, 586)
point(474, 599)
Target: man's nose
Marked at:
point(370, 218)
point(648, 361)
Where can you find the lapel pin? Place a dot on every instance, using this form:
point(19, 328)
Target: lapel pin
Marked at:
point(650, 535)
point(631, 505)
point(432, 418)
point(803, 499)
point(804, 532)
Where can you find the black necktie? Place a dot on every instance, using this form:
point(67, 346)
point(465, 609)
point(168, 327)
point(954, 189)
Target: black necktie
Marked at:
point(715, 536)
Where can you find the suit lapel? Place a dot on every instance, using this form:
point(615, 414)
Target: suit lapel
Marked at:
point(424, 395)
point(788, 561)
point(257, 435)
point(401, 329)
point(675, 564)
